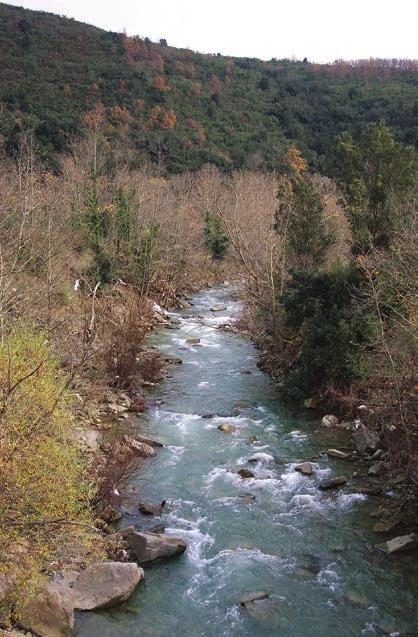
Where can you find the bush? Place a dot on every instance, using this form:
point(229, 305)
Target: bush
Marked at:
point(42, 476)
point(324, 308)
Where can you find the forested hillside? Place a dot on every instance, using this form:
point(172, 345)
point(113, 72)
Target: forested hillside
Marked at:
point(182, 109)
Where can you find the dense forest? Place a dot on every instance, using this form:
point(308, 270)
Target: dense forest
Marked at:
point(182, 109)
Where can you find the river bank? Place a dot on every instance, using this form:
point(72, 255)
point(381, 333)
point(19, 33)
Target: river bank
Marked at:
point(312, 551)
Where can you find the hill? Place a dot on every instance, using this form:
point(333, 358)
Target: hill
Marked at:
point(183, 109)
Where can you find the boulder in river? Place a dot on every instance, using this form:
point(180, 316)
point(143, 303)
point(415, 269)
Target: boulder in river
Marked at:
point(252, 597)
point(148, 547)
point(246, 473)
point(332, 483)
point(305, 468)
point(218, 307)
point(252, 439)
point(138, 448)
point(148, 508)
point(106, 584)
point(148, 441)
point(226, 427)
point(193, 340)
point(336, 453)
point(329, 421)
point(400, 543)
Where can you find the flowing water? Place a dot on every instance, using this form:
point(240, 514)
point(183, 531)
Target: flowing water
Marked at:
point(312, 551)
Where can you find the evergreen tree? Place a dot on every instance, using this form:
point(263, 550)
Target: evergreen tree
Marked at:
point(216, 239)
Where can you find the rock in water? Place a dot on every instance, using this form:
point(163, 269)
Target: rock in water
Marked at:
point(138, 448)
point(106, 584)
point(400, 543)
point(148, 547)
point(51, 612)
point(193, 341)
point(333, 483)
point(148, 508)
point(329, 421)
point(336, 453)
point(252, 597)
point(246, 473)
point(148, 441)
point(218, 307)
point(227, 428)
point(305, 468)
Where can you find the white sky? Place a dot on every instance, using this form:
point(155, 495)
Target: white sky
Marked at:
point(321, 30)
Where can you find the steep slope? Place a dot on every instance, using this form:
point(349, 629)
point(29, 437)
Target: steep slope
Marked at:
point(182, 109)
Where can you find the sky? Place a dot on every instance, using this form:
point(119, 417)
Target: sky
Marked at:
point(321, 30)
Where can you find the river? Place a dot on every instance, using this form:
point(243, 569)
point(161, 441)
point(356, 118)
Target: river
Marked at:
point(312, 551)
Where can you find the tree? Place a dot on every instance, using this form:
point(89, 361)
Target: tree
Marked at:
point(301, 215)
point(216, 239)
point(377, 176)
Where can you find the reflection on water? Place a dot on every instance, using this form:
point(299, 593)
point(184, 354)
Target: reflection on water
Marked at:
point(311, 551)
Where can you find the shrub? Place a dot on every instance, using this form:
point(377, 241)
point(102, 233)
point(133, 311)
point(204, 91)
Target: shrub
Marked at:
point(324, 308)
point(42, 476)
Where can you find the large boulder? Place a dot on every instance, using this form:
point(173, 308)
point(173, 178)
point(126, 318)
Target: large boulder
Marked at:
point(106, 584)
point(51, 612)
point(148, 547)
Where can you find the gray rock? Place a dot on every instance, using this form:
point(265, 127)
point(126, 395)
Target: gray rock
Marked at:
point(336, 453)
point(51, 612)
point(193, 341)
point(173, 360)
point(400, 543)
point(329, 421)
point(305, 468)
point(138, 448)
point(148, 547)
point(148, 441)
point(218, 307)
point(333, 483)
point(106, 584)
point(252, 597)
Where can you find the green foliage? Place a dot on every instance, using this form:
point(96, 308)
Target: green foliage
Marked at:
point(216, 239)
point(145, 255)
point(41, 472)
point(377, 175)
point(95, 217)
point(322, 308)
point(303, 208)
point(123, 215)
point(54, 70)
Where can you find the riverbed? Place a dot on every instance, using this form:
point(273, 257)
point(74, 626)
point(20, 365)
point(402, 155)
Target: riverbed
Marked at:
point(313, 552)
